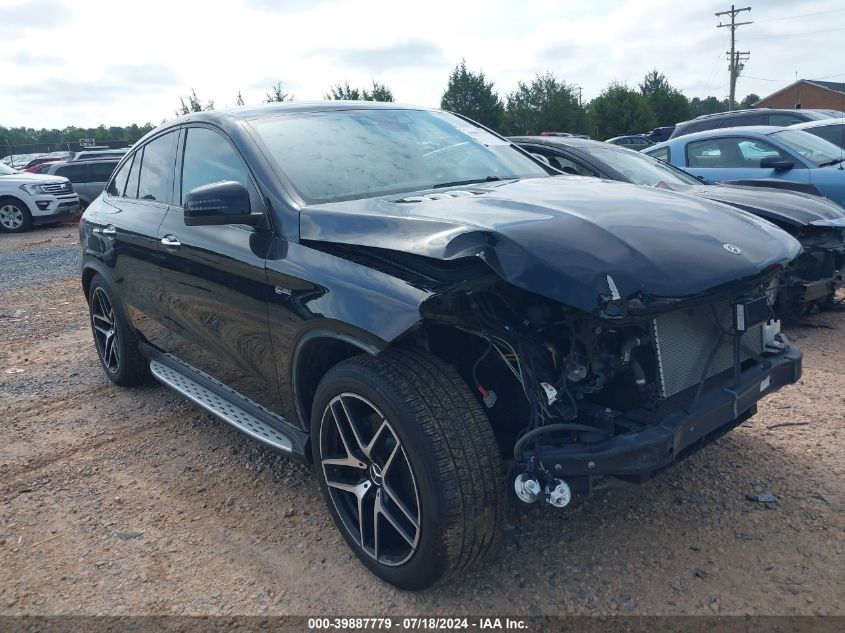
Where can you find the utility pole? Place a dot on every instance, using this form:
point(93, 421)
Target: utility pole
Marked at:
point(735, 58)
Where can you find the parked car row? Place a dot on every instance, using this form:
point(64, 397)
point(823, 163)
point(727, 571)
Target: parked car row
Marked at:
point(819, 224)
point(432, 315)
point(51, 191)
point(801, 119)
point(27, 199)
point(754, 153)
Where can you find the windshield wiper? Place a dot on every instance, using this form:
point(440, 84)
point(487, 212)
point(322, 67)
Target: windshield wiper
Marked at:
point(828, 163)
point(457, 183)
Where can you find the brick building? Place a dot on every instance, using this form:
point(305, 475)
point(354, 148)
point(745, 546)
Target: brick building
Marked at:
point(807, 93)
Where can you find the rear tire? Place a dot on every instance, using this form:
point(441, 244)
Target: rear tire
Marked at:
point(114, 339)
point(14, 216)
point(401, 441)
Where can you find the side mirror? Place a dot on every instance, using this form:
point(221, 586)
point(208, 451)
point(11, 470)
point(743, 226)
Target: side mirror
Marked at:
point(225, 202)
point(777, 163)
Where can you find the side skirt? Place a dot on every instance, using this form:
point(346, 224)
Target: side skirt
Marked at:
point(227, 404)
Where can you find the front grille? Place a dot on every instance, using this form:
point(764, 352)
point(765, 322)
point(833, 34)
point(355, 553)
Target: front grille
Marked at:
point(685, 339)
point(59, 187)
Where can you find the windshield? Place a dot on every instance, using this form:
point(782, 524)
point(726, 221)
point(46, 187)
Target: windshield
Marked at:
point(815, 149)
point(640, 168)
point(348, 154)
point(5, 170)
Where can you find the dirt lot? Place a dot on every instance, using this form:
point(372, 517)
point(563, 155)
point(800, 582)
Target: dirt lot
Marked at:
point(135, 502)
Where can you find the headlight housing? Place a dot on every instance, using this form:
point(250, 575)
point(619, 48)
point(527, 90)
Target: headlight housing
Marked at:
point(33, 189)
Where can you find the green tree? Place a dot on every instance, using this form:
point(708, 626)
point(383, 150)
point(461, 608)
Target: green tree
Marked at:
point(345, 92)
point(708, 105)
point(749, 101)
point(193, 105)
point(621, 110)
point(240, 100)
point(276, 94)
point(470, 94)
point(546, 104)
point(669, 105)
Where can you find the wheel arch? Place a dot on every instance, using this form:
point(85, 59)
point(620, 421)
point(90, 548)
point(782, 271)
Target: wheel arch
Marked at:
point(318, 350)
point(10, 198)
point(89, 269)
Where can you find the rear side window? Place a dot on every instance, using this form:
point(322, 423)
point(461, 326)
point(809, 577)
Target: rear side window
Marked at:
point(156, 168)
point(101, 172)
point(74, 173)
point(118, 183)
point(210, 158)
point(660, 154)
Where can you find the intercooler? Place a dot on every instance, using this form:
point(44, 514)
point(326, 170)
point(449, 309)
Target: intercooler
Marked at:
point(685, 339)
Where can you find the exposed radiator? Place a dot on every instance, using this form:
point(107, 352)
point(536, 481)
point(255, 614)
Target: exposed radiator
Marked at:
point(684, 340)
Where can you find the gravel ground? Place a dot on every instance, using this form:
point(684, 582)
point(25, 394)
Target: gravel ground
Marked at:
point(132, 501)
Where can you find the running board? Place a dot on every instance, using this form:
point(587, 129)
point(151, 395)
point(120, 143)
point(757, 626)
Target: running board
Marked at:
point(225, 409)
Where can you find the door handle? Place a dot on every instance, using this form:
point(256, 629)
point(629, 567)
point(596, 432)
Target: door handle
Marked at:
point(171, 240)
point(109, 230)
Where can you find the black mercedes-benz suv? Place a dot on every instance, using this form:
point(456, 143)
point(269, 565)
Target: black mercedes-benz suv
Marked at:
point(429, 314)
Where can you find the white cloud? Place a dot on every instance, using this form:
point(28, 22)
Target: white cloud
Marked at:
point(107, 62)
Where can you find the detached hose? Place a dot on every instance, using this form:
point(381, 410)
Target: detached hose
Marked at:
point(549, 428)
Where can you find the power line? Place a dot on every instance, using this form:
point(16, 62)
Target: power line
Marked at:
point(771, 37)
point(736, 58)
point(800, 15)
point(792, 78)
point(712, 74)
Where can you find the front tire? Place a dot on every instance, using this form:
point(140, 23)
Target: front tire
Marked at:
point(114, 339)
point(408, 465)
point(14, 216)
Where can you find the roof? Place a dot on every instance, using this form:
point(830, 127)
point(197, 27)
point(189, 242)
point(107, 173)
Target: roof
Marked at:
point(730, 113)
point(837, 86)
point(819, 123)
point(563, 141)
point(762, 130)
point(287, 107)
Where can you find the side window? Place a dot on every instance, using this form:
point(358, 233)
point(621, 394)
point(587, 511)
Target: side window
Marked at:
point(784, 119)
point(661, 154)
point(118, 183)
point(44, 169)
point(729, 153)
point(100, 172)
point(210, 158)
point(131, 190)
point(156, 168)
point(745, 120)
point(753, 151)
point(74, 173)
point(563, 164)
point(833, 133)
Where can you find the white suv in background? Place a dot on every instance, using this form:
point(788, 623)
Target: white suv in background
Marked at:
point(27, 199)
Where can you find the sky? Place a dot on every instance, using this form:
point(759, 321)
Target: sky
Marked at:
point(116, 62)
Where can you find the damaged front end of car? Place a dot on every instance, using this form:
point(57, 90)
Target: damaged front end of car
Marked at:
point(601, 344)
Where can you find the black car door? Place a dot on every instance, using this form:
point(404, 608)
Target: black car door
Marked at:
point(215, 276)
point(124, 234)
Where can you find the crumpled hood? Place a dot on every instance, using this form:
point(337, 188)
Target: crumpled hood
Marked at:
point(576, 240)
point(788, 208)
point(27, 178)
